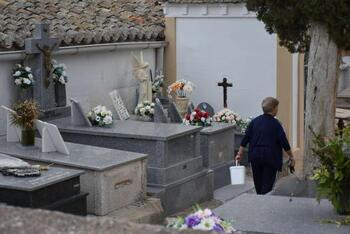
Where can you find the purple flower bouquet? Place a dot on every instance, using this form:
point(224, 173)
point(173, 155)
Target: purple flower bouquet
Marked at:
point(204, 220)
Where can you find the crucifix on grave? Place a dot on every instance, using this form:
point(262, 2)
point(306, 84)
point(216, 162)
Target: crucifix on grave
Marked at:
point(41, 47)
point(224, 84)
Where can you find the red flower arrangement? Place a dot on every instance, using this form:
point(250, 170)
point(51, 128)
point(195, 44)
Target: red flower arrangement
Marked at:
point(198, 118)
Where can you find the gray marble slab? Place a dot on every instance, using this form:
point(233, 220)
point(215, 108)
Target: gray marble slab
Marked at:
point(81, 156)
point(277, 214)
point(216, 128)
point(52, 176)
point(130, 129)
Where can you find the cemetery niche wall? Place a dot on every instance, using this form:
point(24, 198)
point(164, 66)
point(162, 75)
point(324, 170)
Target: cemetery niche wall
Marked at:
point(97, 55)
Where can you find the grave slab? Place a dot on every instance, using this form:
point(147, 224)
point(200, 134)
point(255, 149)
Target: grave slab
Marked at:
point(185, 193)
point(113, 178)
point(217, 150)
point(276, 214)
point(173, 149)
point(160, 141)
point(56, 189)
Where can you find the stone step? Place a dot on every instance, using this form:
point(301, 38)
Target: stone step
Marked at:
point(230, 192)
point(149, 211)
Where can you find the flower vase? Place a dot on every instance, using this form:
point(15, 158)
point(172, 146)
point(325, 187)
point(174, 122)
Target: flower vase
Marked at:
point(28, 137)
point(181, 104)
point(60, 94)
point(24, 94)
point(344, 200)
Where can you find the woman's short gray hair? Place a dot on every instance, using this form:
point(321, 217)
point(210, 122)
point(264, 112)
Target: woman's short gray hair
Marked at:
point(269, 104)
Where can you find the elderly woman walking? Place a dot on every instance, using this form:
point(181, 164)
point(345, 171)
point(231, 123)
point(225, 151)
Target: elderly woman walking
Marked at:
point(266, 139)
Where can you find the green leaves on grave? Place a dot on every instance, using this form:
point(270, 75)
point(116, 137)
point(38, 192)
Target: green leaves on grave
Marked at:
point(333, 174)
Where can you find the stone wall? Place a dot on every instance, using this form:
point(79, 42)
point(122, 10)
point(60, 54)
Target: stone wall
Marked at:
point(28, 221)
point(92, 75)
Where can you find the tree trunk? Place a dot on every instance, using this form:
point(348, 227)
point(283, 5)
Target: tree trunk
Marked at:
point(321, 91)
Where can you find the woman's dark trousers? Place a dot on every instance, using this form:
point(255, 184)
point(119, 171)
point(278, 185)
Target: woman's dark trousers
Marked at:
point(264, 175)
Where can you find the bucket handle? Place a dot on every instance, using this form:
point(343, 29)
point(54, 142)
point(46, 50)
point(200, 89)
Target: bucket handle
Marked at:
point(237, 163)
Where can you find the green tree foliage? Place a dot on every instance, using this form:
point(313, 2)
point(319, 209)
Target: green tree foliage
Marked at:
point(291, 20)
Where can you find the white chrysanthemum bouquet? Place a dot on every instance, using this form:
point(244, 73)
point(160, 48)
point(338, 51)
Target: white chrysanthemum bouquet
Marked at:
point(100, 116)
point(23, 76)
point(204, 220)
point(59, 74)
point(145, 109)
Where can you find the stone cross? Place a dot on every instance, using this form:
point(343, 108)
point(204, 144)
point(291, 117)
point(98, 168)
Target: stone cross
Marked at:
point(41, 47)
point(224, 85)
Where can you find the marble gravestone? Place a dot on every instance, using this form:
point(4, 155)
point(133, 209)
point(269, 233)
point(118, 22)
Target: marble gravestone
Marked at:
point(174, 114)
point(217, 150)
point(41, 47)
point(160, 115)
point(78, 116)
point(175, 171)
point(113, 178)
point(56, 189)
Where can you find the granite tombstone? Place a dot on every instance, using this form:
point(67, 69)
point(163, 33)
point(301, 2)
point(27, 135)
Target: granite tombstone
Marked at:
point(112, 178)
point(55, 189)
point(175, 171)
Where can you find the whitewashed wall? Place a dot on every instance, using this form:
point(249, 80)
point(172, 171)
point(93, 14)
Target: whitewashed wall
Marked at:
point(224, 40)
point(92, 75)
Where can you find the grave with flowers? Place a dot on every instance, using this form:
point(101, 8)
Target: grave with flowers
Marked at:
point(217, 148)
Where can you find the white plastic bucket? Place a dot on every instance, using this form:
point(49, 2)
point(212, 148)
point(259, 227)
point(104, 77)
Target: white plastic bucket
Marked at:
point(237, 174)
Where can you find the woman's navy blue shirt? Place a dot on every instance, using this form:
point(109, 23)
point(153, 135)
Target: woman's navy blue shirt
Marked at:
point(266, 139)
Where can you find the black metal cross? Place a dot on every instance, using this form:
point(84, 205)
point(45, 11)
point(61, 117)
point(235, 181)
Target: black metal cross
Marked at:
point(224, 85)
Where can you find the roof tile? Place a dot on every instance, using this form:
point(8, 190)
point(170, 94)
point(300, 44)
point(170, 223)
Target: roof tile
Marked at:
point(82, 22)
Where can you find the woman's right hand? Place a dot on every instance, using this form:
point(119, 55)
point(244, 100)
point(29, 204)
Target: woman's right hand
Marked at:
point(238, 157)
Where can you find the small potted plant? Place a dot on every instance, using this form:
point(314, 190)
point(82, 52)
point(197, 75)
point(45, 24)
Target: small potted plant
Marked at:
point(24, 80)
point(145, 111)
point(198, 118)
point(100, 116)
point(180, 92)
point(59, 76)
point(333, 175)
point(24, 116)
